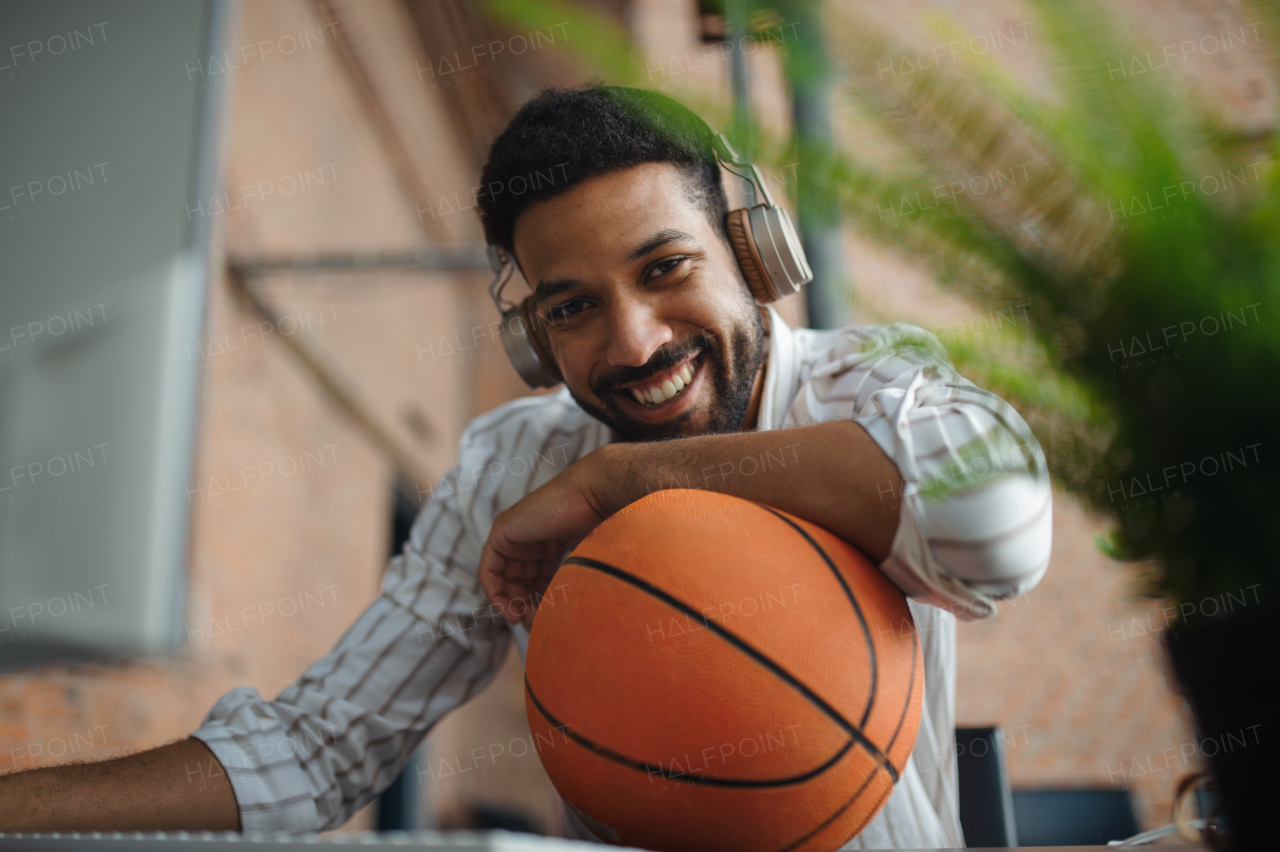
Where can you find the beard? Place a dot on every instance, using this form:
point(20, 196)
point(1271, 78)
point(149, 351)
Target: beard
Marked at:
point(732, 380)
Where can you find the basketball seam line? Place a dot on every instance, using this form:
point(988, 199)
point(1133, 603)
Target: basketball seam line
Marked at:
point(911, 683)
point(834, 816)
point(852, 730)
point(854, 798)
point(651, 770)
point(857, 608)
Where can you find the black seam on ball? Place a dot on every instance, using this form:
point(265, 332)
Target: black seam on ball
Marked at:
point(851, 729)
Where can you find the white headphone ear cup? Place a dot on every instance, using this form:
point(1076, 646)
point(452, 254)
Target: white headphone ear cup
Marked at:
point(781, 254)
point(768, 251)
point(524, 338)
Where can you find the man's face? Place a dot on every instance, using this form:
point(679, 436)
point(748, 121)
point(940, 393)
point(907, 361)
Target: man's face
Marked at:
point(652, 325)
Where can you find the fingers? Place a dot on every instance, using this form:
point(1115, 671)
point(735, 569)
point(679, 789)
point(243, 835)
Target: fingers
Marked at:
point(510, 572)
point(525, 581)
point(508, 583)
point(526, 551)
point(490, 574)
point(503, 601)
point(526, 573)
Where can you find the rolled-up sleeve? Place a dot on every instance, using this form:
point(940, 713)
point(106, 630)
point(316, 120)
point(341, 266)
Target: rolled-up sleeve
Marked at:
point(975, 513)
point(331, 742)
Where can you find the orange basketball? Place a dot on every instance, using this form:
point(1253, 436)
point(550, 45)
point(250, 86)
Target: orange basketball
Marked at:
point(707, 673)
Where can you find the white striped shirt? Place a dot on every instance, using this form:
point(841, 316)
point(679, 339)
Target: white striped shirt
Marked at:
point(974, 527)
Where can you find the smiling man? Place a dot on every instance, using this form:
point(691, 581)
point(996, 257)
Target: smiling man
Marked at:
point(672, 375)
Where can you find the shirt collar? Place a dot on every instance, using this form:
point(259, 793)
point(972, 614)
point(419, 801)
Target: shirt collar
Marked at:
point(780, 378)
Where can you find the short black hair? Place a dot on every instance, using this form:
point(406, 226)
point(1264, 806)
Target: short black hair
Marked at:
point(562, 137)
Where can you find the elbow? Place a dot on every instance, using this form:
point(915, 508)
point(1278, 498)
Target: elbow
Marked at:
point(996, 542)
point(967, 552)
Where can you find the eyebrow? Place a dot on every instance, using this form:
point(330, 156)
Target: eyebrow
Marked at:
point(660, 239)
point(554, 287)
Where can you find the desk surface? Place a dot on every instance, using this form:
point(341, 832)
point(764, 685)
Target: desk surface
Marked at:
point(217, 841)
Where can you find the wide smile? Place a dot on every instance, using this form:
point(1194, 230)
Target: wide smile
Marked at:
point(665, 394)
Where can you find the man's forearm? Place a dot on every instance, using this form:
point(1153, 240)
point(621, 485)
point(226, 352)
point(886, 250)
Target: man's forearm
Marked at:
point(174, 787)
point(831, 474)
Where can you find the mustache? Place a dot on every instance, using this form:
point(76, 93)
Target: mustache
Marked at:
point(661, 361)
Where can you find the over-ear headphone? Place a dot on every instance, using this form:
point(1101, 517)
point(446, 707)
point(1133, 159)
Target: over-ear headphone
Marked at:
point(763, 240)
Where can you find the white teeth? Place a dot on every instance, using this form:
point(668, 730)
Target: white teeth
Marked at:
point(669, 388)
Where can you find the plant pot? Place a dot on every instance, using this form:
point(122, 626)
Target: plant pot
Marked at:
point(1228, 671)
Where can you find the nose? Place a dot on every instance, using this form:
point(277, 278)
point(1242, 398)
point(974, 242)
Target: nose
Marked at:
point(635, 332)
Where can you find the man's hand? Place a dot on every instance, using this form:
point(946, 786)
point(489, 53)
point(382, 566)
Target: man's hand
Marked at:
point(529, 540)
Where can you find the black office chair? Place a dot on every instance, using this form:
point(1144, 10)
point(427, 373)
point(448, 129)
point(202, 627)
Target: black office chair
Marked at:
point(1071, 817)
point(986, 803)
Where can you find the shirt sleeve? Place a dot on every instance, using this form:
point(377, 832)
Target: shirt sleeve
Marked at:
point(975, 520)
point(333, 741)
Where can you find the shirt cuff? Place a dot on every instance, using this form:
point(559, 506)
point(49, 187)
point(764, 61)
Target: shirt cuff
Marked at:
point(271, 794)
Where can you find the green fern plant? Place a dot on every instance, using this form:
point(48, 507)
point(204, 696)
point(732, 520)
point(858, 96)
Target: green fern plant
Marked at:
point(1148, 246)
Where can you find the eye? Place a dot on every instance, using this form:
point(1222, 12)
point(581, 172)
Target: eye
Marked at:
point(565, 311)
point(665, 266)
